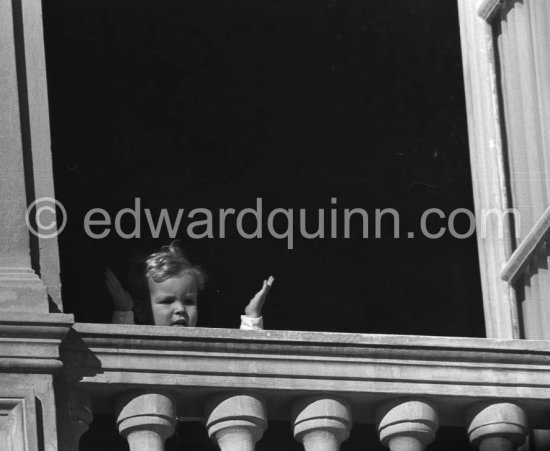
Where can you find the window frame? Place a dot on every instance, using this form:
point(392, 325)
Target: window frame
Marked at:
point(487, 164)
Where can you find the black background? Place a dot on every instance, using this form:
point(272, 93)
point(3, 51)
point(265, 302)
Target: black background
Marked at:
point(213, 104)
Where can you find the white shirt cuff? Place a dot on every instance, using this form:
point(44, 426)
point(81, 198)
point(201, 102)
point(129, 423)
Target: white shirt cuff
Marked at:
point(250, 323)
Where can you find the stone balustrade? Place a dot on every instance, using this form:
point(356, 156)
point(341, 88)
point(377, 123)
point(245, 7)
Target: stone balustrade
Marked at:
point(235, 382)
point(321, 423)
point(236, 421)
point(407, 425)
point(145, 419)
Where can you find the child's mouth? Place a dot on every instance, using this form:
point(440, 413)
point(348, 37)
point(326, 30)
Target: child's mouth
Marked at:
point(180, 322)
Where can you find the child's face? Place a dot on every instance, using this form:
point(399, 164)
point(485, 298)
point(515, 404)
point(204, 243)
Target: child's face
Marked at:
point(174, 301)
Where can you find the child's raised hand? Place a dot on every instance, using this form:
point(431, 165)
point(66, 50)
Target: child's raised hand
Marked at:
point(122, 300)
point(254, 307)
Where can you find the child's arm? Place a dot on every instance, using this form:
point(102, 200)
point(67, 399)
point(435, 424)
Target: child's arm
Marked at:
point(252, 318)
point(122, 301)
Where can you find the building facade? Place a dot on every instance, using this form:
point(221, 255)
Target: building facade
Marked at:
point(56, 373)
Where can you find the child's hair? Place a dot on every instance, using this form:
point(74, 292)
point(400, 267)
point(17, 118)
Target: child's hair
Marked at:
point(168, 262)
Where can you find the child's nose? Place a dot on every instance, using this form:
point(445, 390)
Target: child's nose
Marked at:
point(179, 307)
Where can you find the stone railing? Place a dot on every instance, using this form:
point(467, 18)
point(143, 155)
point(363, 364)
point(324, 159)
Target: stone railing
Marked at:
point(236, 381)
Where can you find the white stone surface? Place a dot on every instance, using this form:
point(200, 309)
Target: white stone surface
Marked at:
point(364, 370)
point(235, 421)
point(321, 423)
point(145, 419)
point(407, 425)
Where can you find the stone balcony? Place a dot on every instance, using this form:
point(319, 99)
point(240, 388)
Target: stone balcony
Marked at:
point(236, 381)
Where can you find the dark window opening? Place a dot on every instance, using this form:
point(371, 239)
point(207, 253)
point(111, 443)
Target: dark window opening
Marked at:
point(194, 104)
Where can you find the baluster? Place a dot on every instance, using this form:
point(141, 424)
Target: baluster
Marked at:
point(497, 427)
point(146, 420)
point(236, 421)
point(407, 425)
point(321, 424)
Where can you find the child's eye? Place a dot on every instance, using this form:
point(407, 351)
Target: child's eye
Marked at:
point(166, 301)
point(189, 301)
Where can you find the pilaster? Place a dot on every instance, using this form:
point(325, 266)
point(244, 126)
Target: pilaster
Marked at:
point(25, 166)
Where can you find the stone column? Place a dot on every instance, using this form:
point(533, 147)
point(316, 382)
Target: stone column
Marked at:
point(146, 420)
point(407, 425)
point(321, 424)
point(497, 427)
point(236, 421)
point(25, 161)
point(74, 415)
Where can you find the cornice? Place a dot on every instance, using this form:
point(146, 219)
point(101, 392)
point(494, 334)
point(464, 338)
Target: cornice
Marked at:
point(30, 342)
point(358, 367)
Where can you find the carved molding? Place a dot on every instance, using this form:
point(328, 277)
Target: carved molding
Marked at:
point(283, 365)
point(30, 343)
point(18, 422)
point(497, 427)
point(145, 419)
point(409, 425)
point(235, 422)
point(321, 423)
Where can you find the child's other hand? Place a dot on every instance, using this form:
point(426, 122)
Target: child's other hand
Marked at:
point(122, 300)
point(254, 307)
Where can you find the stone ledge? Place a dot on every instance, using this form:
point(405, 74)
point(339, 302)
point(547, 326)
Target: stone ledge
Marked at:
point(282, 365)
point(30, 342)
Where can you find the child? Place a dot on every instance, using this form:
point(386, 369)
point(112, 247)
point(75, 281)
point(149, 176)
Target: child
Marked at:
point(165, 287)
